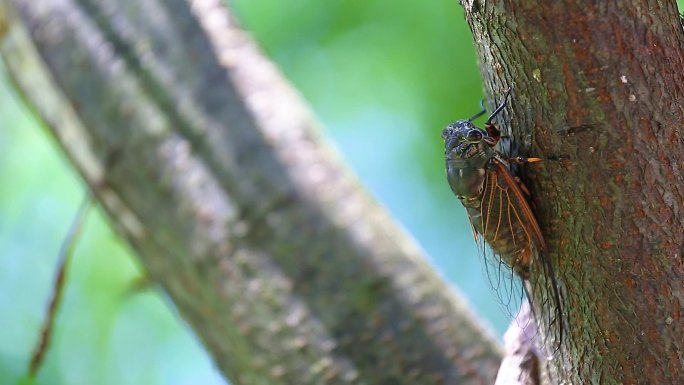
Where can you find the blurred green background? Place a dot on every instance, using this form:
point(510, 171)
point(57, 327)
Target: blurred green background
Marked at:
point(384, 77)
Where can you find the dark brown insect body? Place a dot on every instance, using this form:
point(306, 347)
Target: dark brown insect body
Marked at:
point(478, 175)
point(497, 206)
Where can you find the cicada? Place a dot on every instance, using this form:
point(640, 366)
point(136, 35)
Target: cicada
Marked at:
point(496, 201)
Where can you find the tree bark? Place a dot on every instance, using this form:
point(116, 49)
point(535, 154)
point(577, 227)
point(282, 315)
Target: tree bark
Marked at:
point(601, 84)
point(210, 166)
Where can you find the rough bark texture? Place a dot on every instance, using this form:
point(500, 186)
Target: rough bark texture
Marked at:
point(285, 268)
point(601, 83)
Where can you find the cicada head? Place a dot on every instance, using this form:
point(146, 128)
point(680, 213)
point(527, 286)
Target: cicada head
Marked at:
point(467, 155)
point(463, 140)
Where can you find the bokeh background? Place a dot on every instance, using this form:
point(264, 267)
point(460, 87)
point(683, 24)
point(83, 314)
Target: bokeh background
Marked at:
point(384, 77)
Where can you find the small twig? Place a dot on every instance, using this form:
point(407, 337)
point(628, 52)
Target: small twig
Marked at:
point(65, 252)
point(520, 365)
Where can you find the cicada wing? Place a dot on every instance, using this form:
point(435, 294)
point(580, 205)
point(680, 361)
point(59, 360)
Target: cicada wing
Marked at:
point(507, 222)
point(516, 199)
point(498, 272)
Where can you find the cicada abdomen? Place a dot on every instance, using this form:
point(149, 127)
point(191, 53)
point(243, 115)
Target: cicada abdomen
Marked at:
point(497, 206)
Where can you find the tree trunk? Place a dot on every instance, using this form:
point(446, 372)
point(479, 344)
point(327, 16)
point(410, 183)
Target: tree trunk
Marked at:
point(600, 84)
point(211, 167)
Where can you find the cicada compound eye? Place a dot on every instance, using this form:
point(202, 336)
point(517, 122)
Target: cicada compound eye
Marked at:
point(474, 136)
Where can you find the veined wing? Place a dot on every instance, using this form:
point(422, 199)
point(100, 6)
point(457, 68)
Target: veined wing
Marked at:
point(503, 194)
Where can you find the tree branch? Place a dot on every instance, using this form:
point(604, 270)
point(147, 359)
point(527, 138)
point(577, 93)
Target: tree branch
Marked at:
point(601, 84)
point(520, 365)
point(282, 264)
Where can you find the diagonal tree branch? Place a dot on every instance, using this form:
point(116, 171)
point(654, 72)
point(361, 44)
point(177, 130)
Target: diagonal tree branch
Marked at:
point(282, 264)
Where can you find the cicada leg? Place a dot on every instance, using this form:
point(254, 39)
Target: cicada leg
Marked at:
point(499, 108)
point(492, 130)
point(521, 160)
point(523, 187)
point(480, 113)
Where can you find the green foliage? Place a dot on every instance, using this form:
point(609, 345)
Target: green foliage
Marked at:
point(383, 77)
point(26, 381)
